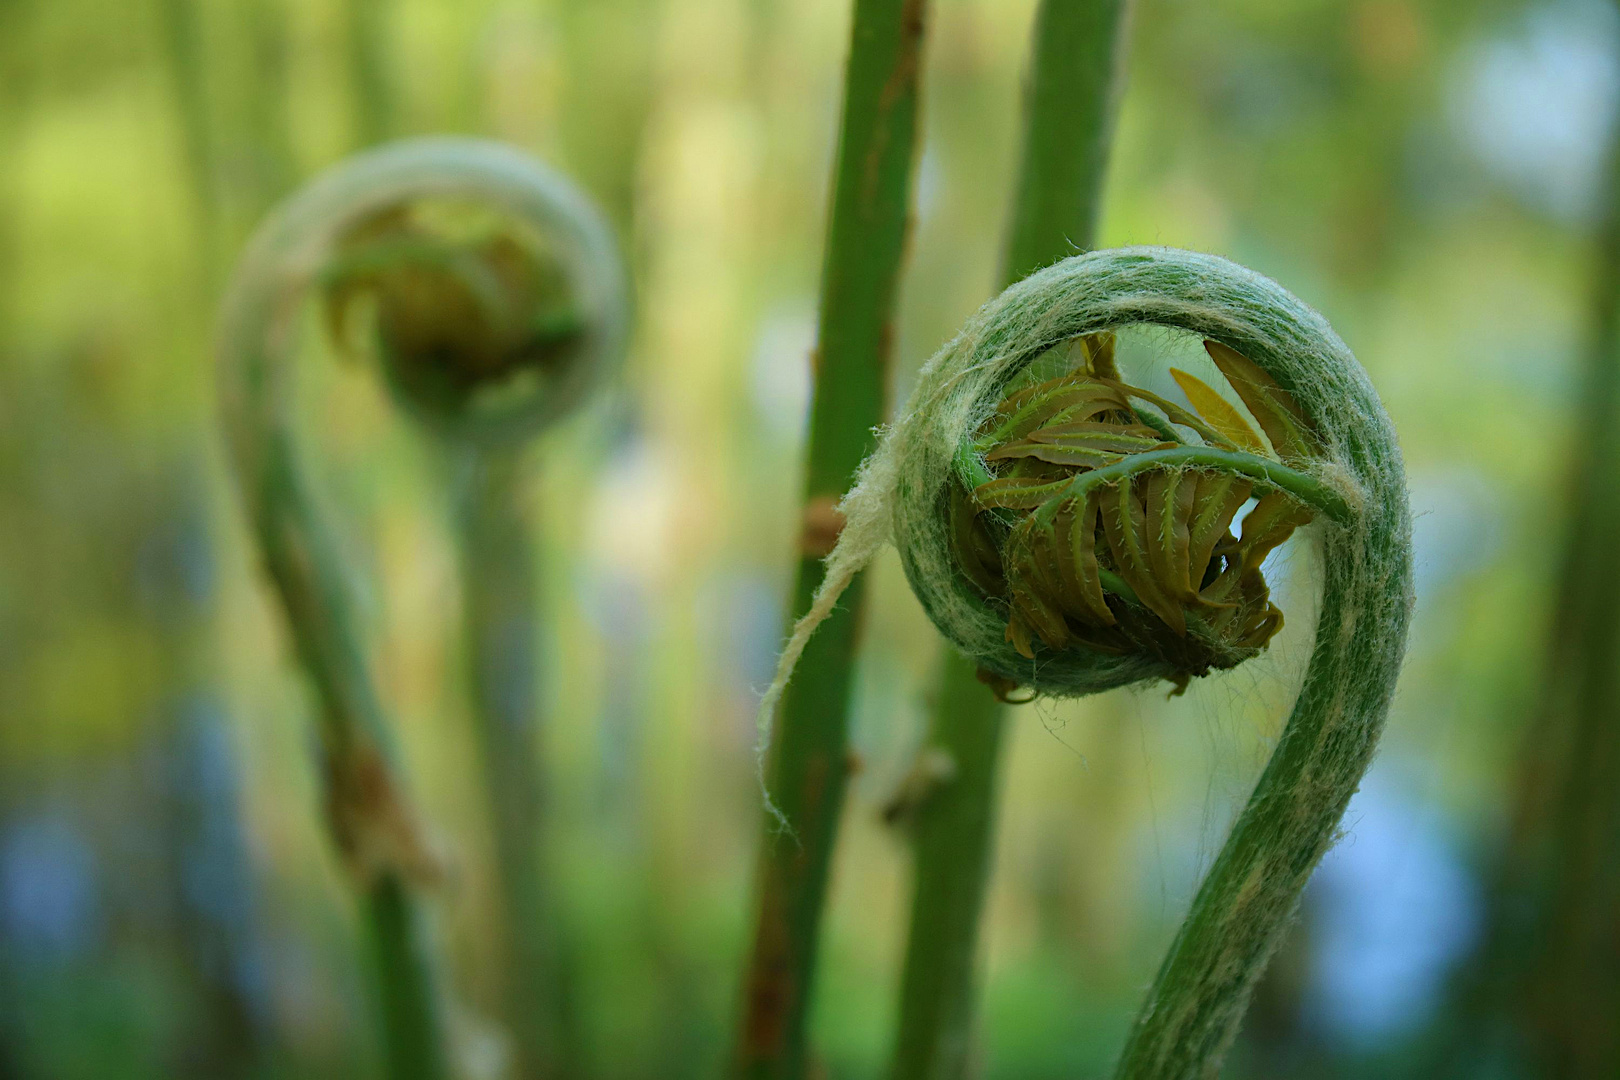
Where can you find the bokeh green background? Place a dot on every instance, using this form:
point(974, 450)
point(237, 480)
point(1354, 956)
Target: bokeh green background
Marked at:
point(1424, 172)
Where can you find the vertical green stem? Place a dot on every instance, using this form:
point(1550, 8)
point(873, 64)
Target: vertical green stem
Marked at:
point(374, 118)
point(954, 841)
point(266, 126)
point(502, 628)
point(14, 40)
point(1071, 103)
point(807, 771)
point(1553, 957)
point(1070, 106)
point(408, 1003)
point(183, 45)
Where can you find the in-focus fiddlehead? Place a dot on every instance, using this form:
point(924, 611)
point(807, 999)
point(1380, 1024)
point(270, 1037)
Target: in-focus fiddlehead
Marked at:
point(1100, 514)
point(1071, 535)
point(496, 300)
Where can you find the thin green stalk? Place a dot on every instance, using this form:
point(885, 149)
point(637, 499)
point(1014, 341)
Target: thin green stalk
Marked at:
point(1552, 962)
point(807, 769)
point(502, 627)
point(14, 40)
point(953, 843)
point(182, 35)
point(408, 1000)
point(266, 126)
point(1070, 105)
point(370, 822)
point(374, 110)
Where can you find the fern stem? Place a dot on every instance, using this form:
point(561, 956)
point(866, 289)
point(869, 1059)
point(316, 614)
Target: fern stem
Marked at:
point(502, 629)
point(1070, 106)
point(373, 92)
point(409, 1006)
point(1550, 960)
point(182, 34)
point(953, 845)
point(1247, 900)
point(356, 744)
point(1070, 103)
point(806, 773)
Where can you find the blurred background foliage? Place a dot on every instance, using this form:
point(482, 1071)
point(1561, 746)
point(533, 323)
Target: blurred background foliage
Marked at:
point(1426, 173)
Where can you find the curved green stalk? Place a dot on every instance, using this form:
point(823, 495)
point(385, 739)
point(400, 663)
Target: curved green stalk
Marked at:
point(1070, 103)
point(367, 808)
point(1247, 900)
point(806, 772)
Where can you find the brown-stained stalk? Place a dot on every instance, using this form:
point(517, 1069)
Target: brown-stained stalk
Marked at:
point(806, 772)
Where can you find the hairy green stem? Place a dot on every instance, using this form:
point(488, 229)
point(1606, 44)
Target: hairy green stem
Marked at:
point(1247, 900)
point(502, 624)
point(1070, 102)
point(807, 771)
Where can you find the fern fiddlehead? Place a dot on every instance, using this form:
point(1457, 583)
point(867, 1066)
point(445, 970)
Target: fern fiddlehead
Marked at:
point(1072, 536)
point(497, 302)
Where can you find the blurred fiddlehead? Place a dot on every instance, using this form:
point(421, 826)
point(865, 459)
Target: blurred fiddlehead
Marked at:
point(495, 301)
point(1052, 529)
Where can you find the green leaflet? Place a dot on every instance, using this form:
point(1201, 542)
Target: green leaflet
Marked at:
point(1167, 503)
point(1218, 411)
point(1017, 492)
point(1062, 397)
point(1215, 503)
point(1273, 520)
point(1076, 543)
point(1125, 525)
point(1279, 415)
point(1117, 438)
point(1078, 456)
point(1031, 597)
